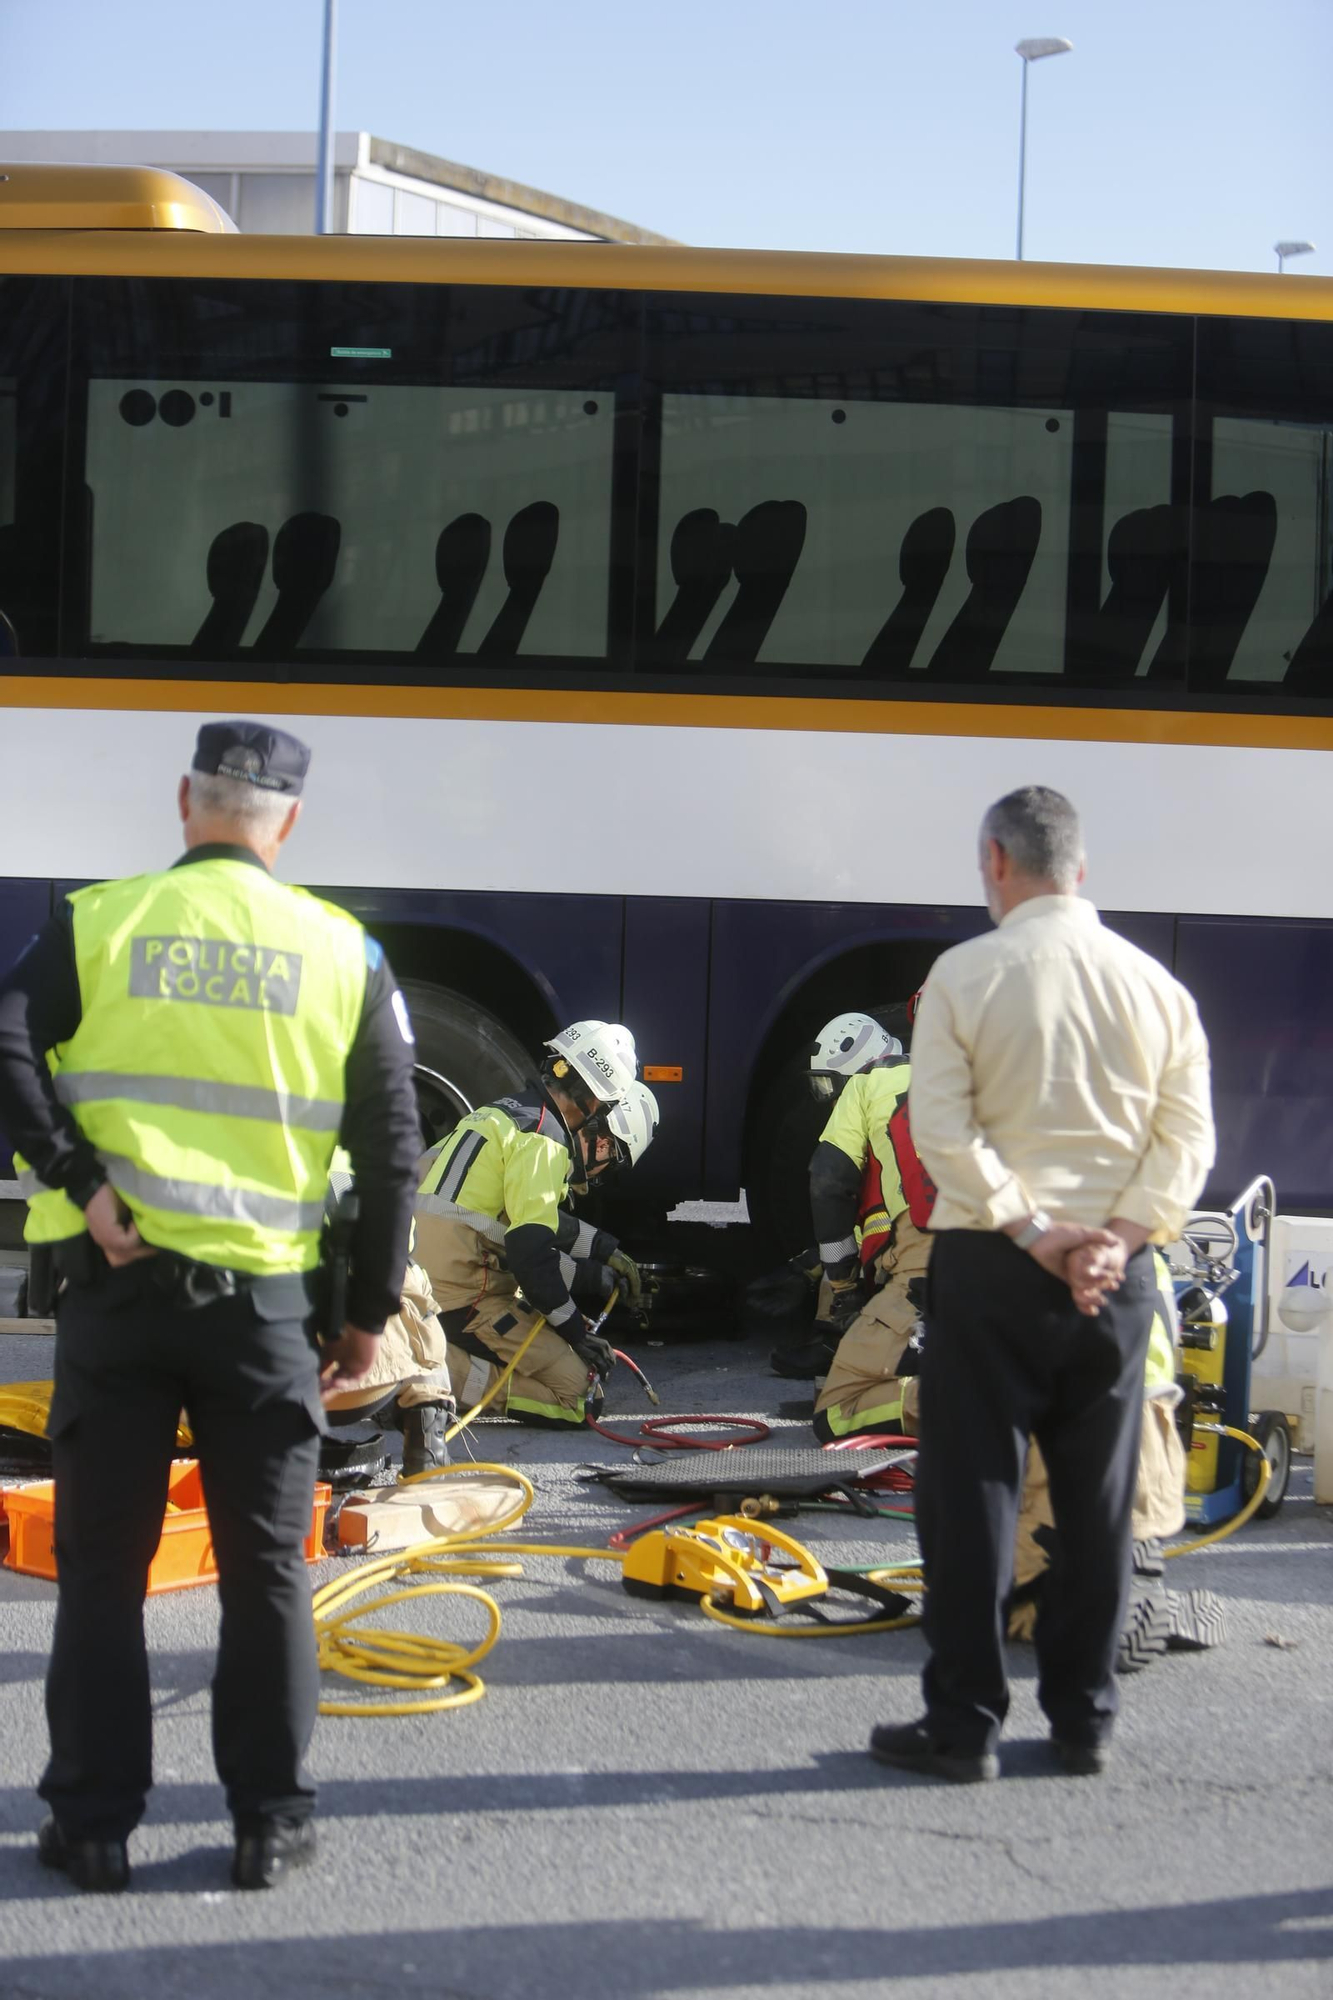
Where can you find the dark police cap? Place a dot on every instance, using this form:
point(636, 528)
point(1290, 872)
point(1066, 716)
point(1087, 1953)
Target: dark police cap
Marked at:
point(261, 755)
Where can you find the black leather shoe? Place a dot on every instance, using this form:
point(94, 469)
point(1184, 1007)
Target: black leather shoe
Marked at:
point(1081, 1760)
point(98, 1867)
point(268, 1849)
point(909, 1746)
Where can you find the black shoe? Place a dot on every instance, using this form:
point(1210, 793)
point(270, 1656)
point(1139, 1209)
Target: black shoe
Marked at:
point(812, 1358)
point(98, 1867)
point(1081, 1760)
point(909, 1746)
point(424, 1447)
point(268, 1849)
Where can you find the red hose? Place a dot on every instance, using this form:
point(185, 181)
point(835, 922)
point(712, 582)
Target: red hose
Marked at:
point(657, 1431)
point(895, 1478)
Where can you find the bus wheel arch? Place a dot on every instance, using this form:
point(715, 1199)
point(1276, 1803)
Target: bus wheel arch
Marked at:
point(782, 1121)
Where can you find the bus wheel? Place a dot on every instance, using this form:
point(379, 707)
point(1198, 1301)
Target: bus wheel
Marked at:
point(784, 1133)
point(464, 1056)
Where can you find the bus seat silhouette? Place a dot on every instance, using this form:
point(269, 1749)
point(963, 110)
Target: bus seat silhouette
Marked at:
point(1311, 669)
point(237, 560)
point(1000, 549)
point(768, 545)
point(529, 551)
point(305, 556)
point(923, 564)
point(701, 556)
point(461, 555)
point(1233, 548)
point(1142, 554)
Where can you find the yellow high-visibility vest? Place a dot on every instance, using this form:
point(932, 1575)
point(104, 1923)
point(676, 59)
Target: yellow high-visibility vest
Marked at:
point(219, 1007)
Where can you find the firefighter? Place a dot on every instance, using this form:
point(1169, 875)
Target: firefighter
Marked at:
point(490, 1229)
point(871, 1199)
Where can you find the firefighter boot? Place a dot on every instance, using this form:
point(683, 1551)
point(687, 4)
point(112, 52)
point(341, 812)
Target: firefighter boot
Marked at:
point(424, 1447)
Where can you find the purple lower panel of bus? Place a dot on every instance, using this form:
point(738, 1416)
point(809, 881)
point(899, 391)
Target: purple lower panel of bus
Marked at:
point(1265, 994)
point(24, 906)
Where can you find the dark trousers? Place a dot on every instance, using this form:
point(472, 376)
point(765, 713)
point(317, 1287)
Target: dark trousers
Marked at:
point(1007, 1356)
point(127, 1361)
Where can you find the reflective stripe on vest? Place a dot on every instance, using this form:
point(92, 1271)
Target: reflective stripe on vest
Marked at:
point(219, 1007)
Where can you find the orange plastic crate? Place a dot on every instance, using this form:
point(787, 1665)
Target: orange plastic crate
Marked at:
point(184, 1554)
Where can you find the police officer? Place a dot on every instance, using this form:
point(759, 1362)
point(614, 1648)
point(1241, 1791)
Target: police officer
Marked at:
point(212, 1034)
point(491, 1229)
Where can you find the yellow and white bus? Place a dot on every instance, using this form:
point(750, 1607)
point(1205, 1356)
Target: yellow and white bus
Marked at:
point(663, 619)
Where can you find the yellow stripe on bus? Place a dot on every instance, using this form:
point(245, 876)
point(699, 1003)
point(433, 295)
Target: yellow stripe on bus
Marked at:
point(647, 268)
point(641, 709)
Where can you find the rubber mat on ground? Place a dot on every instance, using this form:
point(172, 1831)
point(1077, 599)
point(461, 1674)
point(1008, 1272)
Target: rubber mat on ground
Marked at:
point(749, 1473)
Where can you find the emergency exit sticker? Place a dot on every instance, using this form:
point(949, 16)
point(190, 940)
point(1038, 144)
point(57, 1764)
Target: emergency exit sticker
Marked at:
point(361, 353)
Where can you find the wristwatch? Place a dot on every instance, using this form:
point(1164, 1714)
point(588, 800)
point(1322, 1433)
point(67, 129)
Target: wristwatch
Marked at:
point(1033, 1229)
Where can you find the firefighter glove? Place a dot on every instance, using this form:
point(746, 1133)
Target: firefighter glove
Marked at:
point(845, 1305)
point(598, 1353)
point(627, 1271)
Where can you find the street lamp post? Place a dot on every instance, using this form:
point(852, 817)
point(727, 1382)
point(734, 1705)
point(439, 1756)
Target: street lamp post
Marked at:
point(1031, 50)
point(324, 165)
point(1292, 249)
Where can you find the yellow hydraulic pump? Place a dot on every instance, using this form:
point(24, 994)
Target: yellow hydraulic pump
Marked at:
point(725, 1559)
point(1203, 1340)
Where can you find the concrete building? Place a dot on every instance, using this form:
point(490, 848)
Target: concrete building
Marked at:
point(266, 183)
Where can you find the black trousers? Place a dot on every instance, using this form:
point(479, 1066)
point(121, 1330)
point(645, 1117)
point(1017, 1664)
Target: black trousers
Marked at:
point(1007, 1356)
point(127, 1361)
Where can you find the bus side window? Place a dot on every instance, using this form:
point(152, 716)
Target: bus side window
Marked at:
point(1311, 669)
point(33, 368)
point(1262, 555)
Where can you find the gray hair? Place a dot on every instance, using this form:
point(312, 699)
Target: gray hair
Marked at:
point(236, 799)
point(1039, 831)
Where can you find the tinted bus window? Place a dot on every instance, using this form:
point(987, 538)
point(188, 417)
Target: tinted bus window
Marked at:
point(1262, 575)
point(33, 344)
point(315, 473)
point(914, 494)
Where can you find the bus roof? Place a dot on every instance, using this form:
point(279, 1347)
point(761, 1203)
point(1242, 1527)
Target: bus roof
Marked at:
point(67, 198)
point(78, 244)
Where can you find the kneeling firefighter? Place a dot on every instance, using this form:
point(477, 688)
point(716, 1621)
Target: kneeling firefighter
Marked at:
point(490, 1229)
point(407, 1387)
point(871, 1199)
point(591, 1261)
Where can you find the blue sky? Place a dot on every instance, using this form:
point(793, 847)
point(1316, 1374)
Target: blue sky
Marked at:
point(1191, 132)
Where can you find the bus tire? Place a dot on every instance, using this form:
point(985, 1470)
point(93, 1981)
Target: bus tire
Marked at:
point(464, 1056)
point(783, 1134)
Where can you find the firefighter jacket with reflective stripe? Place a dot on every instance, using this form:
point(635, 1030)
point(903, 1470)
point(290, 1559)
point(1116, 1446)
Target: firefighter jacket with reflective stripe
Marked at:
point(1160, 1377)
point(218, 1010)
point(855, 1210)
point(496, 1185)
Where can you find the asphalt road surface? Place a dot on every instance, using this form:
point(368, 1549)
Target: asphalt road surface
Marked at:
point(647, 1804)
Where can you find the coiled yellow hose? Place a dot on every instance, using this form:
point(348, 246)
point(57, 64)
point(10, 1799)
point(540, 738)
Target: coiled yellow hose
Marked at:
point(422, 1667)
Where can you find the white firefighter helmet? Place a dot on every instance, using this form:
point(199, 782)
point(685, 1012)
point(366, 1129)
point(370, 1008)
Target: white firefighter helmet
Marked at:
point(596, 1052)
point(633, 1122)
point(851, 1042)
